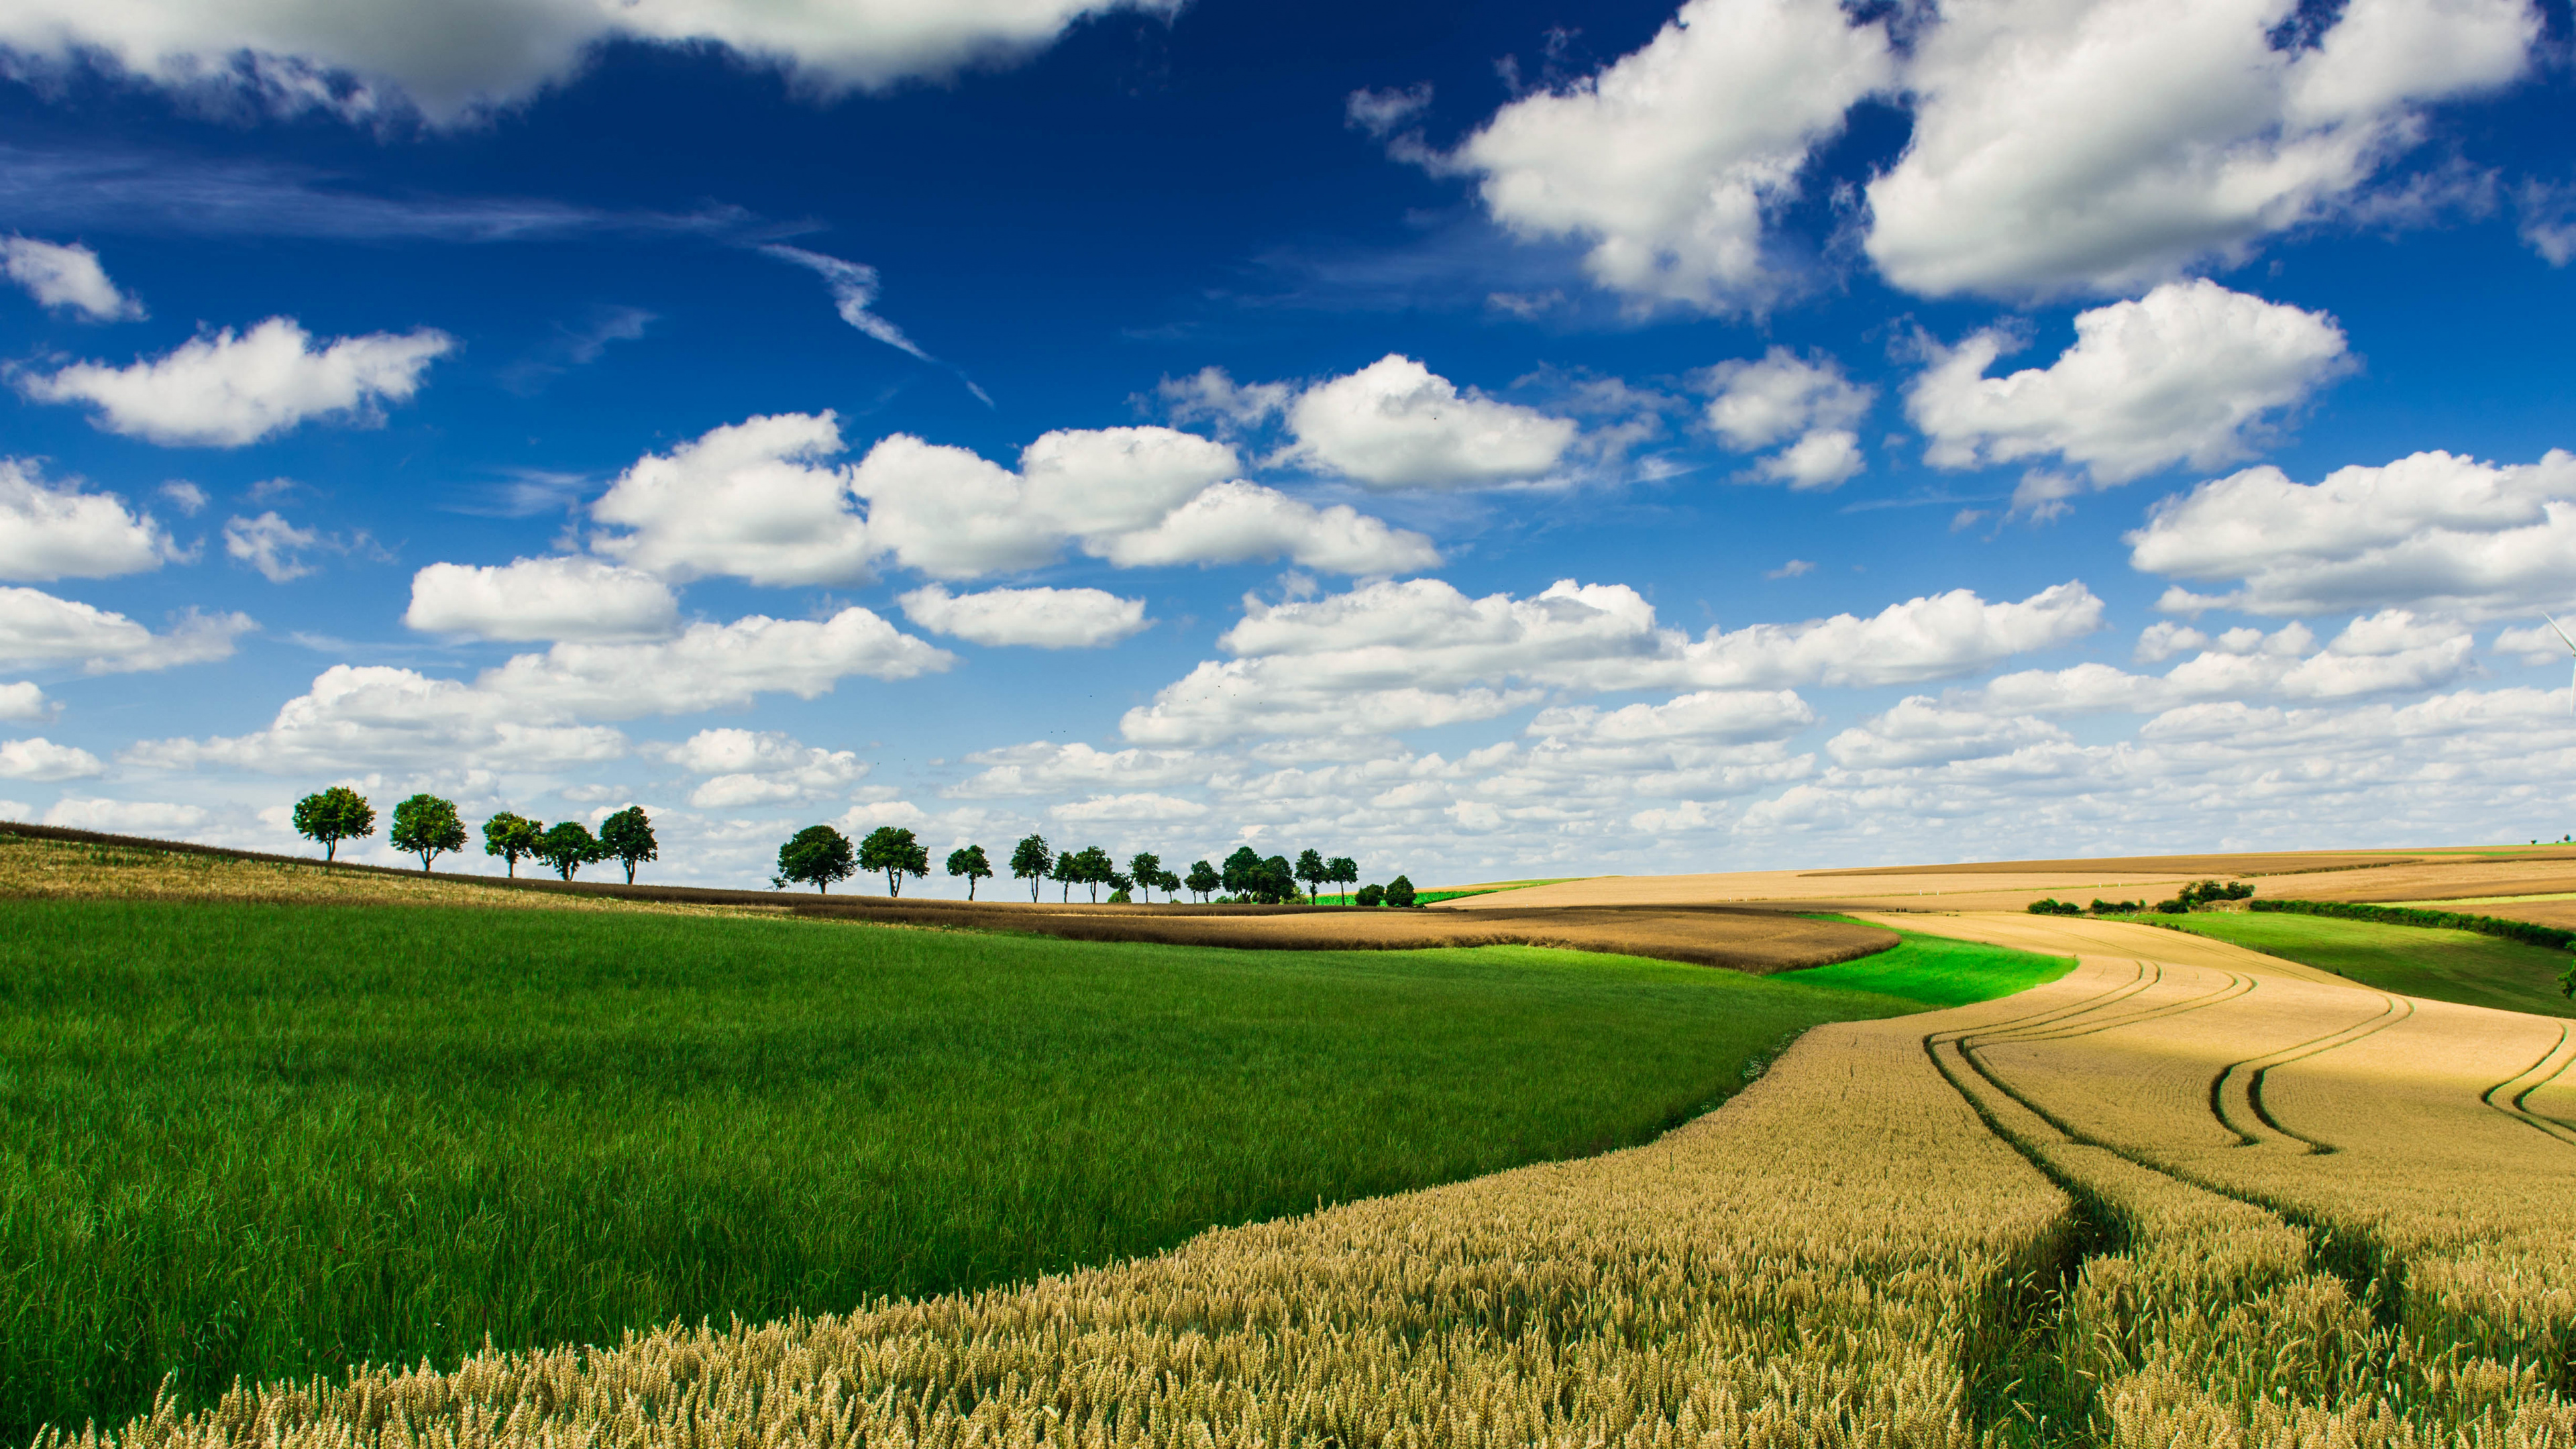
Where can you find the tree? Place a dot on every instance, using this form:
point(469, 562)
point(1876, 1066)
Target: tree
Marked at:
point(511, 837)
point(1168, 883)
point(1371, 895)
point(1031, 859)
point(426, 826)
point(1399, 892)
point(1241, 875)
point(1310, 869)
point(332, 816)
point(1120, 883)
point(1341, 870)
point(970, 863)
point(817, 856)
point(1097, 868)
point(1147, 868)
point(1278, 881)
point(1067, 872)
point(568, 846)
point(627, 838)
point(891, 848)
point(1202, 879)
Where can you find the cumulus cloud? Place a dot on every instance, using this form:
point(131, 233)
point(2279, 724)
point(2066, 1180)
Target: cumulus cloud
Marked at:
point(541, 598)
point(1397, 424)
point(755, 499)
point(125, 817)
point(453, 62)
point(1044, 618)
point(66, 277)
point(1047, 768)
point(1135, 809)
point(361, 717)
point(747, 768)
point(25, 703)
point(51, 532)
point(1401, 656)
point(271, 545)
point(1238, 522)
point(2061, 147)
point(41, 759)
point(1210, 395)
point(1919, 732)
point(1668, 161)
point(2429, 531)
point(38, 628)
point(1738, 716)
point(228, 390)
point(2187, 373)
point(715, 666)
point(1781, 396)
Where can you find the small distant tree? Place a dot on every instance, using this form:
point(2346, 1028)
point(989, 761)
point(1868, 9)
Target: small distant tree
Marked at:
point(1147, 868)
point(817, 856)
point(1067, 872)
point(332, 816)
point(970, 863)
point(1120, 883)
point(1371, 895)
point(1309, 870)
point(1341, 870)
point(891, 848)
point(1031, 860)
point(1168, 883)
point(1202, 879)
point(511, 837)
point(426, 826)
point(567, 846)
point(1241, 875)
point(1097, 869)
point(1399, 892)
point(627, 838)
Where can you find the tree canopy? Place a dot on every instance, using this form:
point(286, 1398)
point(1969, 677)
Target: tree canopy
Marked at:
point(817, 856)
point(1310, 870)
point(1147, 869)
point(1399, 892)
point(970, 863)
point(426, 826)
point(568, 846)
point(627, 838)
point(333, 815)
point(1202, 879)
point(892, 849)
point(1031, 860)
point(511, 837)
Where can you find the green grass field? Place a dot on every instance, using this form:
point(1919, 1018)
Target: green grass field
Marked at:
point(1936, 971)
point(271, 1140)
point(2460, 966)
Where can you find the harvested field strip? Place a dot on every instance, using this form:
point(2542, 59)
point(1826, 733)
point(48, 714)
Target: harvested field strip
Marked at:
point(1746, 1280)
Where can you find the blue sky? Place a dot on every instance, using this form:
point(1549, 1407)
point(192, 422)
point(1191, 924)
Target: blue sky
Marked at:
point(1481, 440)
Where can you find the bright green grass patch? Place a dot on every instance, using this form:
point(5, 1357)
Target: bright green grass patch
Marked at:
point(1936, 970)
point(1426, 897)
point(270, 1140)
point(2460, 966)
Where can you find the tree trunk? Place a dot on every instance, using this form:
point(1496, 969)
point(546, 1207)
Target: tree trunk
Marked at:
point(630, 872)
point(970, 887)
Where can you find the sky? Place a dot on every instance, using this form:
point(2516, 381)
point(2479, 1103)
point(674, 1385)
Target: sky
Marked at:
point(1484, 440)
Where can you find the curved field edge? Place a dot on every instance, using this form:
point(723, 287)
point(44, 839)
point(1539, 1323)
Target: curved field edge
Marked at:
point(269, 1141)
point(1935, 970)
point(2440, 964)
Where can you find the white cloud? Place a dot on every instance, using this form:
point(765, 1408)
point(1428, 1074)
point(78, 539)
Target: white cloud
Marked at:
point(1781, 395)
point(359, 717)
point(541, 598)
point(1399, 656)
point(1238, 522)
point(271, 545)
point(66, 276)
point(854, 290)
point(765, 768)
point(2429, 531)
point(1044, 618)
point(25, 703)
point(58, 532)
point(125, 817)
point(1045, 769)
point(2163, 640)
point(1209, 395)
point(752, 499)
point(38, 628)
point(185, 496)
point(2061, 146)
point(2185, 374)
point(1397, 424)
point(1136, 809)
point(228, 390)
point(1708, 716)
point(1669, 160)
point(452, 62)
point(41, 759)
point(2393, 651)
point(1919, 732)
point(714, 666)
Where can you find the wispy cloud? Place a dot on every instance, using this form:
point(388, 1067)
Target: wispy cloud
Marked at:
point(854, 294)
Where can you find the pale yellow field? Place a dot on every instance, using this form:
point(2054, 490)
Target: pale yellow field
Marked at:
point(2185, 1196)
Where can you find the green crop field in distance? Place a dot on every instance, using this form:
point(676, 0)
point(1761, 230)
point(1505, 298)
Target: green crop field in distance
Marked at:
point(271, 1140)
point(1936, 970)
point(2460, 966)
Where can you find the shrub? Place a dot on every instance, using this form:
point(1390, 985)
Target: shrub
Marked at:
point(2529, 932)
point(2101, 907)
point(1371, 895)
point(2053, 907)
point(2175, 907)
point(1399, 892)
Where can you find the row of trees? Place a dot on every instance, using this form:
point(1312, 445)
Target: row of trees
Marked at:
point(429, 827)
point(820, 856)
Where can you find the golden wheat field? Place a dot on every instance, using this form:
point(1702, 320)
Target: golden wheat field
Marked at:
point(2184, 1196)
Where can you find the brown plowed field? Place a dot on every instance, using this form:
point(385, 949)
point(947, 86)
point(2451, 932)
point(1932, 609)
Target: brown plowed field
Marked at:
point(1744, 940)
